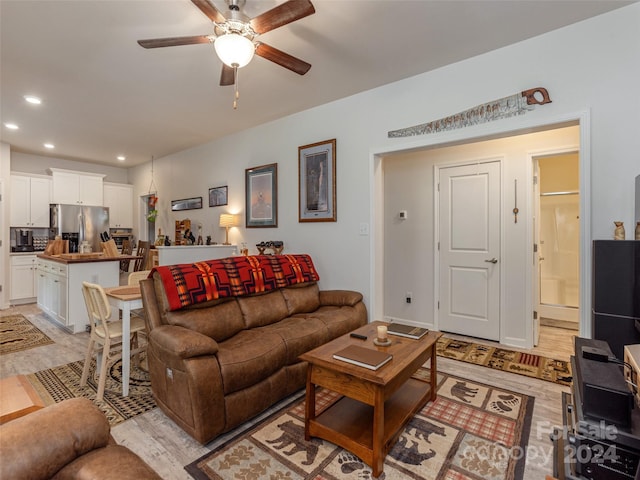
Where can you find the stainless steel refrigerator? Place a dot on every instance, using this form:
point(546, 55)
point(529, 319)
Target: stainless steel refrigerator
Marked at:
point(77, 223)
point(616, 293)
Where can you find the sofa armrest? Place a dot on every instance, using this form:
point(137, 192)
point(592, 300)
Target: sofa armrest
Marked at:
point(340, 297)
point(182, 342)
point(38, 445)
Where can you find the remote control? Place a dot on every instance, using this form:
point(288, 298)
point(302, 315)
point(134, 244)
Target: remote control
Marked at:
point(358, 336)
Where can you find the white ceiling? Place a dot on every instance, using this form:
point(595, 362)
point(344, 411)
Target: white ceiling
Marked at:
point(104, 95)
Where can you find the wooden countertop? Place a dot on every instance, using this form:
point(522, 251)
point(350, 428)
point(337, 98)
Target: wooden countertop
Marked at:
point(70, 258)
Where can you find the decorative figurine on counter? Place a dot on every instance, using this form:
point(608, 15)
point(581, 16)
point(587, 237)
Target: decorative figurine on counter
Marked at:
point(188, 235)
point(618, 233)
point(159, 238)
point(199, 241)
point(208, 239)
point(167, 241)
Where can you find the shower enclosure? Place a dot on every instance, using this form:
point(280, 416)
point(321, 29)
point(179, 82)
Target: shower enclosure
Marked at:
point(559, 267)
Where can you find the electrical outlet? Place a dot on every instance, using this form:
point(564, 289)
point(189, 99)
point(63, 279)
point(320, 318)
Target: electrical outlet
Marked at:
point(364, 229)
point(408, 296)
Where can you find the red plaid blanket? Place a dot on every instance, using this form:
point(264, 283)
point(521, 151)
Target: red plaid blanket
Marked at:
point(190, 283)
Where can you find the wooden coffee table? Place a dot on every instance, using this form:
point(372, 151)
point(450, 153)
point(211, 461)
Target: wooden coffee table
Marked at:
point(17, 398)
point(376, 405)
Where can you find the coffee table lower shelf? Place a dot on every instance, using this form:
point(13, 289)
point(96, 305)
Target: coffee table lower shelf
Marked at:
point(348, 423)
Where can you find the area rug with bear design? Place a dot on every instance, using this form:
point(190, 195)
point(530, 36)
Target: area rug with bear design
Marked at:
point(470, 431)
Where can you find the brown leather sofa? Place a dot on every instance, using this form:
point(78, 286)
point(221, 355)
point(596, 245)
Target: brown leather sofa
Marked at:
point(70, 440)
point(215, 365)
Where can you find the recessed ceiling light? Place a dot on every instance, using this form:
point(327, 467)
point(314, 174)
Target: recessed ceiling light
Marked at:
point(33, 99)
point(49, 145)
point(122, 158)
point(11, 126)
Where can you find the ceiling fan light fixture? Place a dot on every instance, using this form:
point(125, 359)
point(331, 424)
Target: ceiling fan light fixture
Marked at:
point(234, 50)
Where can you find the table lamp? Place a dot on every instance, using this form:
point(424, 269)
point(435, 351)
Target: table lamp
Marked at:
point(227, 220)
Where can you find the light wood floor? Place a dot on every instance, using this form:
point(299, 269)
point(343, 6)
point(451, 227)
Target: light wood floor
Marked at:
point(168, 449)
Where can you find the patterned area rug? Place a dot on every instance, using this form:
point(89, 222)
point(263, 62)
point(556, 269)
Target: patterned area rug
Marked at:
point(60, 383)
point(17, 334)
point(470, 431)
point(536, 366)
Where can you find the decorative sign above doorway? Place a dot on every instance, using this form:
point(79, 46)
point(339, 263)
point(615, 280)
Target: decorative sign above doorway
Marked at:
point(517, 104)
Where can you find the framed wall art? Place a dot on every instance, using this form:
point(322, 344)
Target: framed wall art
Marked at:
point(218, 196)
point(317, 182)
point(186, 204)
point(261, 187)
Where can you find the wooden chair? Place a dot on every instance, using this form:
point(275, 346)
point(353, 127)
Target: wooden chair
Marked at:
point(134, 279)
point(106, 333)
point(127, 249)
point(143, 251)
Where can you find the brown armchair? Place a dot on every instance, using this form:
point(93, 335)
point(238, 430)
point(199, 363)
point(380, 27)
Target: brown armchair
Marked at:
point(70, 440)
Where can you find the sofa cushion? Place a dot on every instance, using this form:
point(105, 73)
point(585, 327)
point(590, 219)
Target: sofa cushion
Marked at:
point(220, 322)
point(339, 320)
point(302, 299)
point(249, 357)
point(261, 310)
point(299, 335)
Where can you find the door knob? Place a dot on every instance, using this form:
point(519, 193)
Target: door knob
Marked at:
point(493, 260)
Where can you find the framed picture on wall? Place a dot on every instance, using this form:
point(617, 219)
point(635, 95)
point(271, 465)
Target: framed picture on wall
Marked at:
point(261, 188)
point(186, 204)
point(218, 196)
point(317, 182)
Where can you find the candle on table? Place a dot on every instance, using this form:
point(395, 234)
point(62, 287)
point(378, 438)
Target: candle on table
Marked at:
point(382, 333)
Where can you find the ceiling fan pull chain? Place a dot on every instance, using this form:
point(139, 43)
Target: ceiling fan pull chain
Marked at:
point(235, 84)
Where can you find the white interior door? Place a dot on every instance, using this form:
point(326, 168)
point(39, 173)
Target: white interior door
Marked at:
point(469, 250)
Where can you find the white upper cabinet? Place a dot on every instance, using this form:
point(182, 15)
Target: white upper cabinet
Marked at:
point(29, 204)
point(119, 199)
point(77, 187)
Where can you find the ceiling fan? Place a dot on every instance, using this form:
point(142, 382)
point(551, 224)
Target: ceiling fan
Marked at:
point(234, 37)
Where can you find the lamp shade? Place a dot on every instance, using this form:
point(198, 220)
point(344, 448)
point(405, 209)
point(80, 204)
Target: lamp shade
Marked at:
point(227, 220)
point(234, 50)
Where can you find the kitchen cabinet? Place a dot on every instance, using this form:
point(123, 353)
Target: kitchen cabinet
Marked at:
point(23, 278)
point(29, 201)
point(77, 188)
point(119, 199)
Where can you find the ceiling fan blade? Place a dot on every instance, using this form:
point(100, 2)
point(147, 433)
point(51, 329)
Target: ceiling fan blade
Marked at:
point(281, 15)
point(283, 59)
point(209, 10)
point(174, 41)
point(227, 76)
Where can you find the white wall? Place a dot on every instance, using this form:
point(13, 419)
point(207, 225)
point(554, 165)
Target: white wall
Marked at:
point(5, 164)
point(409, 244)
point(591, 66)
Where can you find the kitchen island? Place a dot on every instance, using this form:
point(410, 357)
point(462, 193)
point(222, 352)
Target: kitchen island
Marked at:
point(59, 284)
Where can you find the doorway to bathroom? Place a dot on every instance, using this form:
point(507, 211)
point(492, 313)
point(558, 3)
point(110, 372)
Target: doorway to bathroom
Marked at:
point(557, 193)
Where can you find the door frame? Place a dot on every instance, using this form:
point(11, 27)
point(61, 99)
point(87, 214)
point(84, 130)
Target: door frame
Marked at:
point(436, 231)
point(513, 127)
